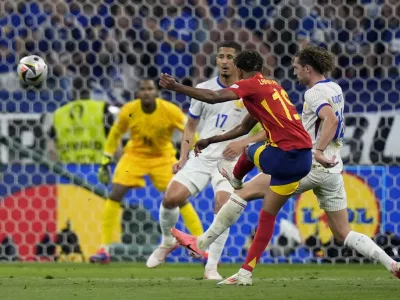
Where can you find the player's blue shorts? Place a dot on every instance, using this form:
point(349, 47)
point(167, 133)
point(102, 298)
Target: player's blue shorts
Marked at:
point(285, 167)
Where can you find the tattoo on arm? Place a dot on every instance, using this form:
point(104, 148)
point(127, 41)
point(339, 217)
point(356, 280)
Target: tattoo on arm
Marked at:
point(187, 141)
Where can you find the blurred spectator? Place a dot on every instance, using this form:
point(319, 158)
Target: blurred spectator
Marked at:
point(391, 34)
point(230, 28)
point(281, 31)
point(112, 43)
point(318, 26)
point(74, 135)
point(181, 40)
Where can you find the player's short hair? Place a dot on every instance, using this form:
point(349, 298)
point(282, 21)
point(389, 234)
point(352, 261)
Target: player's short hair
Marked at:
point(320, 59)
point(149, 79)
point(230, 44)
point(249, 61)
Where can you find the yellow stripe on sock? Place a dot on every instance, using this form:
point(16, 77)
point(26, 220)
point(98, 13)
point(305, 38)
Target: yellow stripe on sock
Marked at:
point(253, 262)
point(191, 219)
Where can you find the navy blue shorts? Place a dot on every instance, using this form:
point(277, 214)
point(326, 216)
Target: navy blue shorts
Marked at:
point(286, 168)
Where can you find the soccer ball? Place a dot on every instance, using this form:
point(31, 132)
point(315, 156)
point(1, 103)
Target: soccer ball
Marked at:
point(32, 70)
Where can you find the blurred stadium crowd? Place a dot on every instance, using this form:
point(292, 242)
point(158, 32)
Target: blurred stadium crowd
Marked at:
point(113, 43)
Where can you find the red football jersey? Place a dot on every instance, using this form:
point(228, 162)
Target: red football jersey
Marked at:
point(269, 103)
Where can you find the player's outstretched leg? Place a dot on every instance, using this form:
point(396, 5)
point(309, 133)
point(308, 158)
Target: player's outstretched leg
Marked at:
point(111, 222)
point(265, 228)
point(235, 174)
point(175, 195)
point(222, 195)
point(367, 247)
point(228, 215)
point(168, 219)
point(338, 222)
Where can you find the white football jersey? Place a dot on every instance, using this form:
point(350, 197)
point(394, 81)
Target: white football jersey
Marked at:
point(324, 93)
point(216, 119)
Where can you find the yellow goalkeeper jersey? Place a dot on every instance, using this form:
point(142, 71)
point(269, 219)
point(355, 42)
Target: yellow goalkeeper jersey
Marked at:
point(150, 134)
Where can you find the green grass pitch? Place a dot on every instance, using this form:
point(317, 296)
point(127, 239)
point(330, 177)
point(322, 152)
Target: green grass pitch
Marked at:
point(183, 281)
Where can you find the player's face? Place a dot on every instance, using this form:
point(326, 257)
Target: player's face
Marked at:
point(300, 72)
point(225, 64)
point(147, 91)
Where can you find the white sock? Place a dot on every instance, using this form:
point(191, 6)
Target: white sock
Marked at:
point(215, 250)
point(168, 219)
point(228, 215)
point(365, 246)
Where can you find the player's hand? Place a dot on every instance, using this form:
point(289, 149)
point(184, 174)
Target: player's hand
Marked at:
point(233, 150)
point(104, 173)
point(325, 162)
point(200, 145)
point(179, 165)
point(167, 81)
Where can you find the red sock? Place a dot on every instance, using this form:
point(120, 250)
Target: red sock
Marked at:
point(242, 167)
point(264, 232)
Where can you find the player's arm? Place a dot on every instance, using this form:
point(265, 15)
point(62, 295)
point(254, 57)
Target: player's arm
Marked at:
point(188, 138)
point(203, 95)
point(329, 126)
point(235, 148)
point(238, 131)
point(328, 130)
point(113, 138)
point(188, 129)
point(117, 130)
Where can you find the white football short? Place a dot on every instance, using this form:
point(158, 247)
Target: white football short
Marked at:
point(328, 187)
point(198, 172)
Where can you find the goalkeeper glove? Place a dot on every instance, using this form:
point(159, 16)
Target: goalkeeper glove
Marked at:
point(104, 172)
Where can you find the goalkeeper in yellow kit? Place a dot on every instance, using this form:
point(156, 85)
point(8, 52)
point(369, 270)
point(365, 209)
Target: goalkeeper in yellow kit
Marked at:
point(151, 121)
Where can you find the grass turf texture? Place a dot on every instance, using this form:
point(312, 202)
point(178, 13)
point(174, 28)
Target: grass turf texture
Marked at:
point(183, 281)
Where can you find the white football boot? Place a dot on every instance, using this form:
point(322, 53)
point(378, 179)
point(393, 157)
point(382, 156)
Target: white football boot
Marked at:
point(225, 167)
point(212, 274)
point(396, 269)
point(240, 278)
point(159, 255)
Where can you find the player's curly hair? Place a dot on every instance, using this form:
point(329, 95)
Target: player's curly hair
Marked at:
point(320, 59)
point(249, 61)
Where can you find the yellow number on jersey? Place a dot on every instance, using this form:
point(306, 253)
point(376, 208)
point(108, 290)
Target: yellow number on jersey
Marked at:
point(283, 98)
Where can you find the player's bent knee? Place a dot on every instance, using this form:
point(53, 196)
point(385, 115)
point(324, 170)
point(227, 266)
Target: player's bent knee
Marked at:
point(172, 200)
point(118, 192)
point(175, 195)
point(220, 199)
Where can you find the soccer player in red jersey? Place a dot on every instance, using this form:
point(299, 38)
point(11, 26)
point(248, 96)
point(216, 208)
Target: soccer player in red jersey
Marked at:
point(287, 157)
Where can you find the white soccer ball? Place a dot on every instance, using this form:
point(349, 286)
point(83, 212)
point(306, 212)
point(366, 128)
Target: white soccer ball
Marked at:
point(32, 70)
